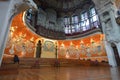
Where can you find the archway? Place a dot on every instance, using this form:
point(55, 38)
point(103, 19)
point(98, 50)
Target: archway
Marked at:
point(115, 50)
point(10, 9)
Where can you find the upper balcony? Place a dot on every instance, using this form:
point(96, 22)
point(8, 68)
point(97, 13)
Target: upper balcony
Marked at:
point(48, 24)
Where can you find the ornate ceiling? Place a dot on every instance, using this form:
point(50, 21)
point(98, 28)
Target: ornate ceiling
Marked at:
point(63, 5)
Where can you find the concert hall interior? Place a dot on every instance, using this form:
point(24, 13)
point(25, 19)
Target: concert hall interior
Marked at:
point(60, 39)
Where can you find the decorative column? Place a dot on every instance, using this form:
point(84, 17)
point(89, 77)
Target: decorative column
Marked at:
point(38, 49)
point(56, 50)
point(109, 49)
point(108, 7)
point(115, 33)
point(113, 21)
point(110, 54)
point(103, 23)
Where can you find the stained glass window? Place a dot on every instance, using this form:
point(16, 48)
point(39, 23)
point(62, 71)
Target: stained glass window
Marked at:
point(67, 25)
point(75, 24)
point(74, 19)
point(93, 18)
point(86, 20)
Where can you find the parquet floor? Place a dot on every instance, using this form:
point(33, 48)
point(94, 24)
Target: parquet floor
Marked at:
point(62, 73)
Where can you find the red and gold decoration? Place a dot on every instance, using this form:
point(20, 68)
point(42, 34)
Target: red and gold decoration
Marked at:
point(91, 47)
point(22, 41)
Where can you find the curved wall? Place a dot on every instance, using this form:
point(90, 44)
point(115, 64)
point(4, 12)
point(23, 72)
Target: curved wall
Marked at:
point(22, 41)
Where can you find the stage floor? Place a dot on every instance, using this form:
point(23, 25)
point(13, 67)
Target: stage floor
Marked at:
point(62, 73)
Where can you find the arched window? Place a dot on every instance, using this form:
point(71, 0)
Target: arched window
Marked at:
point(88, 20)
point(75, 24)
point(94, 18)
point(29, 15)
point(67, 25)
point(74, 19)
point(85, 21)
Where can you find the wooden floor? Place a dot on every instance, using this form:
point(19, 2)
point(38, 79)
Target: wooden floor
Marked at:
point(45, 69)
point(62, 73)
